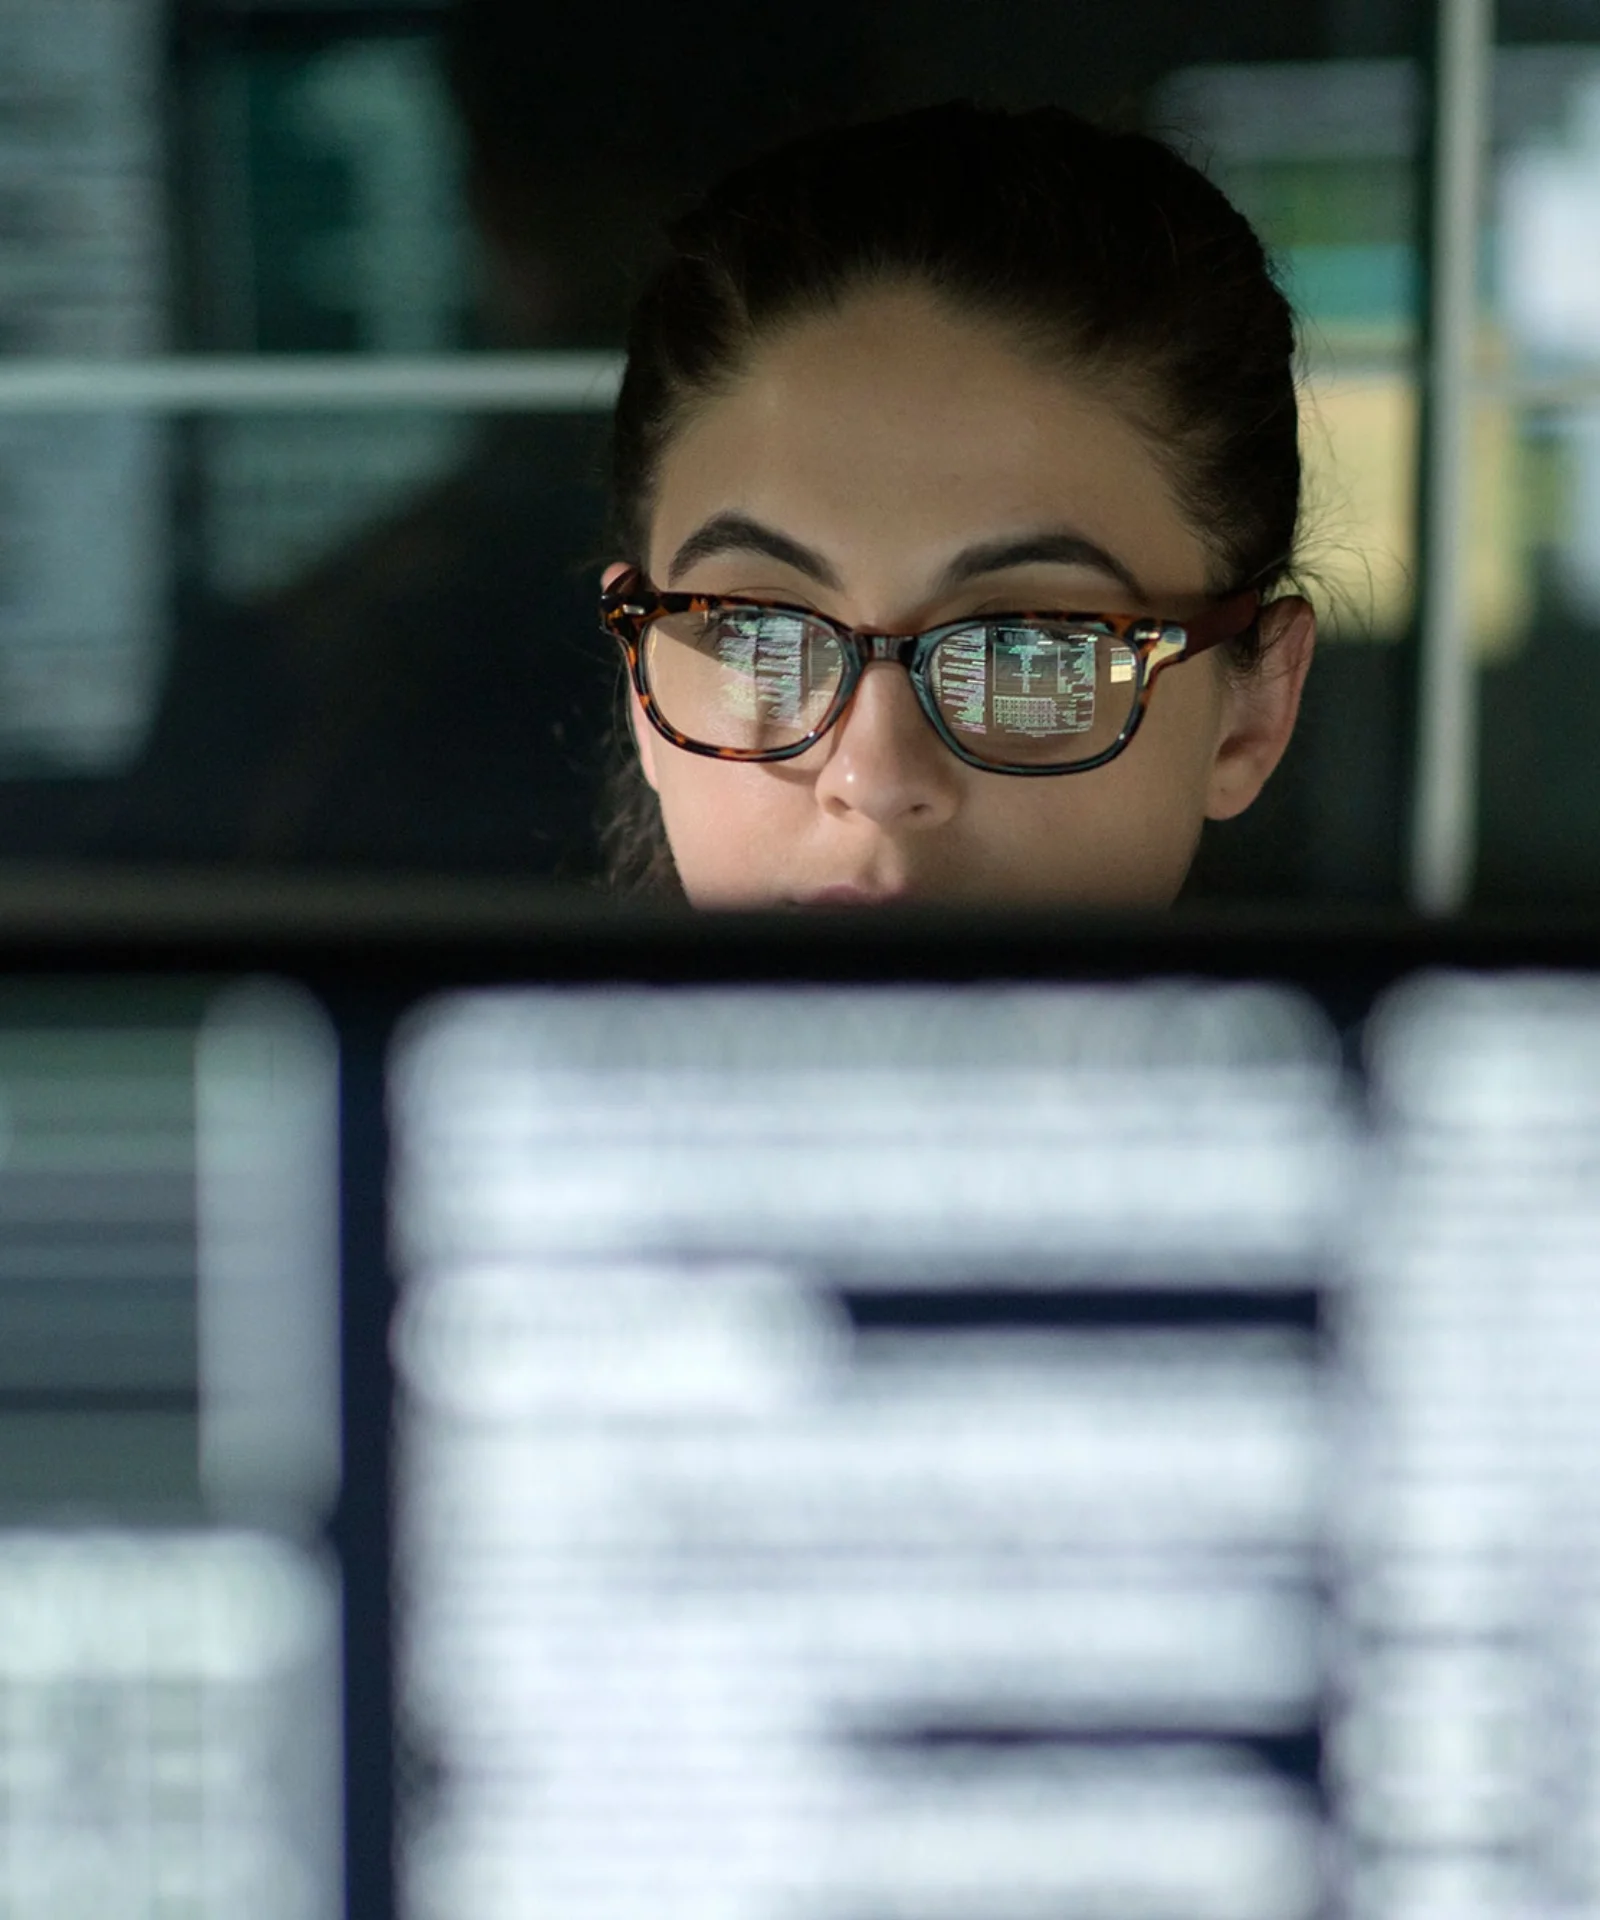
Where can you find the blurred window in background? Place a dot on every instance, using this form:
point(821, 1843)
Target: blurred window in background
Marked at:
point(1324, 158)
point(311, 314)
point(1539, 380)
point(83, 275)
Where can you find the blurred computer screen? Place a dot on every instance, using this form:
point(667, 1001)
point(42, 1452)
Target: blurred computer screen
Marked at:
point(764, 1425)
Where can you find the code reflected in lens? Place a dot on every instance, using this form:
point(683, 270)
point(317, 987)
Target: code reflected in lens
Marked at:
point(1035, 696)
point(750, 681)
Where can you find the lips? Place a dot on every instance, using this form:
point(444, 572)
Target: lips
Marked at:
point(851, 894)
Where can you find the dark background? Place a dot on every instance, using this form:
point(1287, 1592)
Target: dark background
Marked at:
point(377, 651)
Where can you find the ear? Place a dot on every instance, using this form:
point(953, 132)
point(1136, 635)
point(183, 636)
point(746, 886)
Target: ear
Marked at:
point(1259, 709)
point(612, 575)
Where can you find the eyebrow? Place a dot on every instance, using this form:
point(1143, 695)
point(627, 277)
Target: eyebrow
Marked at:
point(738, 533)
point(1061, 547)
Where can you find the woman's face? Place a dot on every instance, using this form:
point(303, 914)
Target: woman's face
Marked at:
point(895, 466)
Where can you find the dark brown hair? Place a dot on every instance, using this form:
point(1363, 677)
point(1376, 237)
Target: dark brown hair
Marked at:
point(1103, 254)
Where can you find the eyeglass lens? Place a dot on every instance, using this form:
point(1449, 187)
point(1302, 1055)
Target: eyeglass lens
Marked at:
point(1013, 694)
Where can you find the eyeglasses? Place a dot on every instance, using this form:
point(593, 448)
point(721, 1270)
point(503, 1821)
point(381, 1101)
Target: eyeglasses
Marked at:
point(1020, 693)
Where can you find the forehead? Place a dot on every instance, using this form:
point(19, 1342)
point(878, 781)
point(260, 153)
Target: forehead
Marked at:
point(893, 431)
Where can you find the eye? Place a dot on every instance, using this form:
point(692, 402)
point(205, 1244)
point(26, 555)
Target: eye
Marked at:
point(732, 632)
point(750, 678)
point(1035, 692)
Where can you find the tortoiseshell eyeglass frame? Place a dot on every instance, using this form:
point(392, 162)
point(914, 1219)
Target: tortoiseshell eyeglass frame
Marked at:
point(628, 607)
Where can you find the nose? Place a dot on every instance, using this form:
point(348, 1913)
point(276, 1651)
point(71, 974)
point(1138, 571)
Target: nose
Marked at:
point(886, 762)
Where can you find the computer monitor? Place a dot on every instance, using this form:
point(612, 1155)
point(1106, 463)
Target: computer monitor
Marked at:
point(809, 1419)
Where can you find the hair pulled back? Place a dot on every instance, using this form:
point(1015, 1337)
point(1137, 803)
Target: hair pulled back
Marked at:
point(1102, 253)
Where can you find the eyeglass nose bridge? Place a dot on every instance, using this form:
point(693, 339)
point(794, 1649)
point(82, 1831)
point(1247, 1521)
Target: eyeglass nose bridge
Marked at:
point(901, 648)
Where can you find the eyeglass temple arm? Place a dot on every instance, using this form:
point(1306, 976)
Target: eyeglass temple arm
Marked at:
point(626, 586)
point(1224, 621)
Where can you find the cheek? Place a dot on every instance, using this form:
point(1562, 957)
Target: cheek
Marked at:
point(1184, 721)
point(1110, 838)
point(1151, 818)
point(1125, 834)
point(729, 826)
point(1157, 791)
